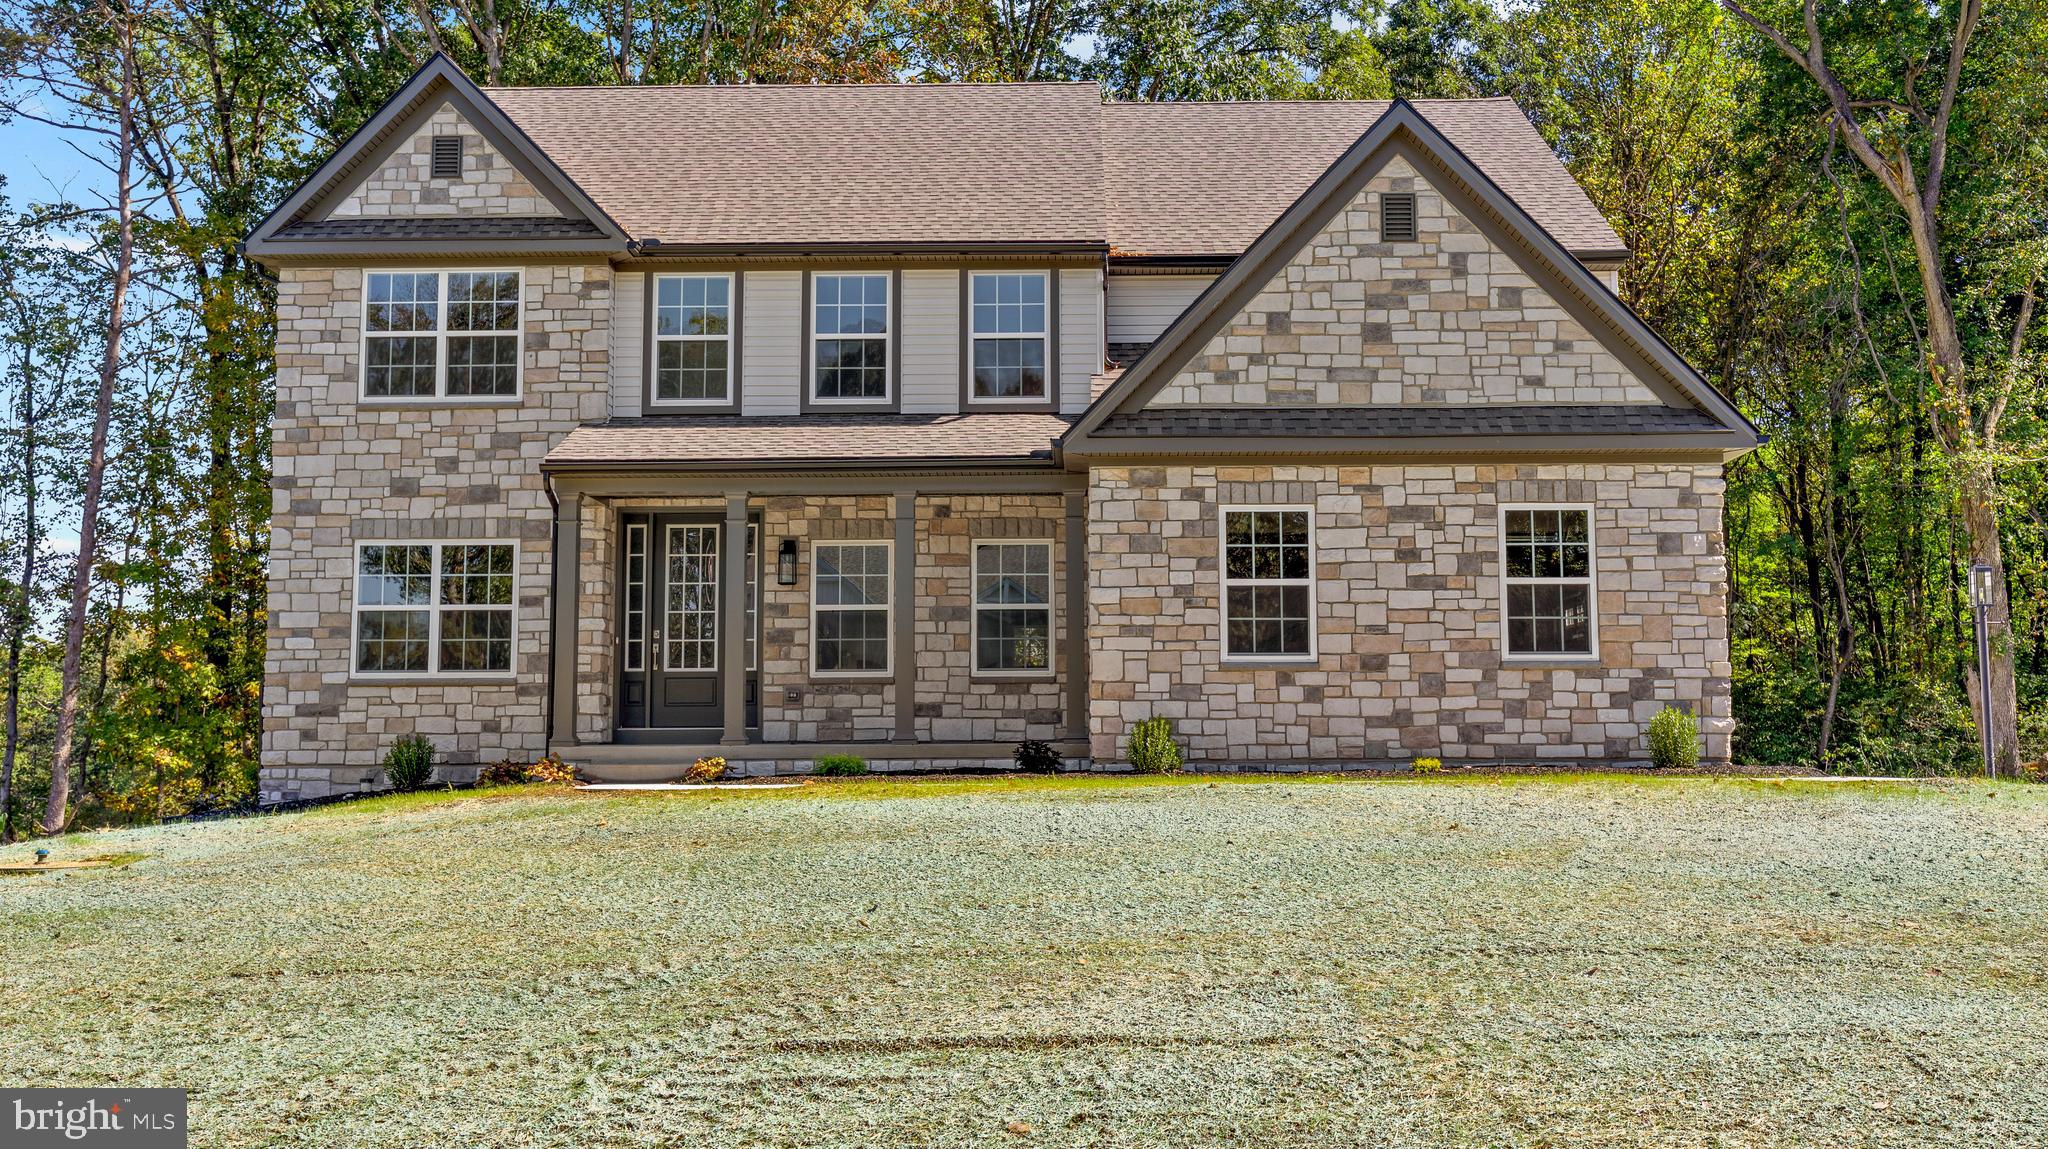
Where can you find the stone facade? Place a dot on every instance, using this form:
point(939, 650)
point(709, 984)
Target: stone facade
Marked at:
point(404, 185)
point(1447, 319)
point(1408, 658)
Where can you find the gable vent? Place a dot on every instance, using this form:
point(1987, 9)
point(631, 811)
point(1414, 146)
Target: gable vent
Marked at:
point(1397, 218)
point(447, 157)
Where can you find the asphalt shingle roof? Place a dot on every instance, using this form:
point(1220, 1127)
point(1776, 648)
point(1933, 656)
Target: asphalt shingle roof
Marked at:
point(989, 437)
point(1410, 422)
point(442, 227)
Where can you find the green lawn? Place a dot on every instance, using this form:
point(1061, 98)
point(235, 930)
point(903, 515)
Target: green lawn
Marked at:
point(1608, 961)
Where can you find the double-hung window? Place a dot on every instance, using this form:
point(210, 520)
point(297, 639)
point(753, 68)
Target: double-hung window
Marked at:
point(850, 338)
point(434, 608)
point(692, 339)
point(1547, 574)
point(1013, 607)
point(436, 334)
point(1008, 313)
point(1269, 600)
point(850, 608)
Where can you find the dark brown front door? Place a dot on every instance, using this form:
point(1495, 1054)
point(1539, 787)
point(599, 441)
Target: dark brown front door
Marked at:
point(674, 602)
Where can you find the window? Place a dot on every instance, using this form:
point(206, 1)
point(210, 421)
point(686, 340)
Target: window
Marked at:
point(434, 608)
point(850, 337)
point(1397, 217)
point(1268, 583)
point(692, 339)
point(1009, 334)
point(1013, 607)
point(1547, 572)
point(636, 596)
point(447, 158)
point(690, 613)
point(415, 322)
point(850, 608)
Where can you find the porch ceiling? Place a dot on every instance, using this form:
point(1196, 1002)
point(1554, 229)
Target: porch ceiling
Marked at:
point(684, 441)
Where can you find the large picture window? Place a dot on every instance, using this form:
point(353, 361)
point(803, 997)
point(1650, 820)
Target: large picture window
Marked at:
point(434, 608)
point(433, 334)
point(1008, 314)
point(850, 338)
point(850, 608)
point(1013, 607)
point(692, 339)
point(1547, 574)
point(1268, 583)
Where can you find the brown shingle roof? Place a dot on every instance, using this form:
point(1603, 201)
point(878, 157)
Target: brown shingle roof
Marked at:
point(976, 164)
point(1407, 422)
point(755, 439)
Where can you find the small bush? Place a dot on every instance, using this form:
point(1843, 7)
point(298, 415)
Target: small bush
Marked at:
point(507, 772)
point(1035, 757)
point(1152, 749)
point(1428, 766)
point(705, 770)
point(409, 764)
point(840, 765)
point(1674, 739)
point(549, 771)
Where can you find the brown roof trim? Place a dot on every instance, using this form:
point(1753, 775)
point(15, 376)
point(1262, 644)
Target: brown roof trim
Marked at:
point(1689, 447)
point(652, 248)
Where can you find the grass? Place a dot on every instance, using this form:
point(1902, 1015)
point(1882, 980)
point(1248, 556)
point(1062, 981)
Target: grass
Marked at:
point(1495, 961)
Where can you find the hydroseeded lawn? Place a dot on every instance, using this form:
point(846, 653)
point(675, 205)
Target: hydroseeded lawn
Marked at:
point(1484, 961)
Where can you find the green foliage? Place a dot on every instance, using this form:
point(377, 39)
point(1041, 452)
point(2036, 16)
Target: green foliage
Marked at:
point(409, 764)
point(840, 765)
point(1428, 766)
point(1152, 749)
point(1674, 739)
point(1035, 757)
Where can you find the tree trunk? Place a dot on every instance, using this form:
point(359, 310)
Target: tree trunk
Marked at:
point(17, 628)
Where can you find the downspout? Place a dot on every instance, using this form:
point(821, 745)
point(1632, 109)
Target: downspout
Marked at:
point(554, 580)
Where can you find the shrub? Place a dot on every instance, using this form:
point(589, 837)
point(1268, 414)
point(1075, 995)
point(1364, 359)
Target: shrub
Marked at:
point(549, 771)
point(1035, 757)
point(409, 764)
point(705, 770)
point(840, 765)
point(1675, 739)
point(1428, 766)
point(1152, 749)
point(507, 772)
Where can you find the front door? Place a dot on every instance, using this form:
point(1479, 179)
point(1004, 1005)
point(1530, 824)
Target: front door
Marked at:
point(674, 601)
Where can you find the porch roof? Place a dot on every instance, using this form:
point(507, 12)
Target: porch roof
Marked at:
point(687, 442)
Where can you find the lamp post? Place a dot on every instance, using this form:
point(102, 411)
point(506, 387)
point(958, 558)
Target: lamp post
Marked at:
point(1980, 604)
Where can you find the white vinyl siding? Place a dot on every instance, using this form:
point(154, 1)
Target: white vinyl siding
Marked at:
point(771, 343)
point(629, 317)
point(1141, 307)
point(1080, 335)
point(930, 375)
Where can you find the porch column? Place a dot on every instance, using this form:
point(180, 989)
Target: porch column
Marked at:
point(732, 621)
point(904, 618)
point(1077, 614)
point(568, 610)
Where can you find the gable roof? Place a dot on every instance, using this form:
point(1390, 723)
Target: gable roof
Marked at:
point(726, 441)
point(1402, 130)
point(285, 231)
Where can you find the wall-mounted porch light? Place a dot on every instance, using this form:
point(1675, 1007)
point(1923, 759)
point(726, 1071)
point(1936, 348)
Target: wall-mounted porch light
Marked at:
point(785, 563)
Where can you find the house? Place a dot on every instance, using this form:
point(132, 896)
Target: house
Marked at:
point(639, 423)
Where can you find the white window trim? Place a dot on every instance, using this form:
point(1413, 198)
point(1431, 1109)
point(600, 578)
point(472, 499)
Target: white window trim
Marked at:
point(1051, 608)
point(1044, 337)
point(717, 611)
point(888, 607)
point(434, 609)
point(1592, 581)
point(887, 339)
point(654, 369)
point(1225, 582)
point(440, 397)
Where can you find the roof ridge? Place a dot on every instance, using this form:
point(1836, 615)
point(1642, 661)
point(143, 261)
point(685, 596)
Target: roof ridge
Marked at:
point(893, 84)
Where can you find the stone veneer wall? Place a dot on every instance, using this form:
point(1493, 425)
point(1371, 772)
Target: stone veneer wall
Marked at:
point(828, 710)
point(1354, 322)
point(490, 185)
point(954, 704)
point(1408, 603)
point(347, 471)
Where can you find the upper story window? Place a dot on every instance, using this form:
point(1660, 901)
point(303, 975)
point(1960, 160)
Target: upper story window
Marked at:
point(850, 338)
point(435, 334)
point(692, 339)
point(434, 608)
point(1269, 597)
point(1547, 579)
point(1013, 607)
point(1009, 334)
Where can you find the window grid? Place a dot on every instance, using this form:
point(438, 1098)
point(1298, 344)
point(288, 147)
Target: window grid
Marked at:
point(636, 596)
point(850, 608)
point(753, 594)
point(1009, 328)
point(1547, 582)
point(1269, 583)
point(1013, 608)
point(435, 608)
point(850, 338)
point(693, 339)
point(690, 614)
point(433, 334)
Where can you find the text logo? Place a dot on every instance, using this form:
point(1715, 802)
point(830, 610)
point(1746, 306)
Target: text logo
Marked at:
point(92, 1118)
